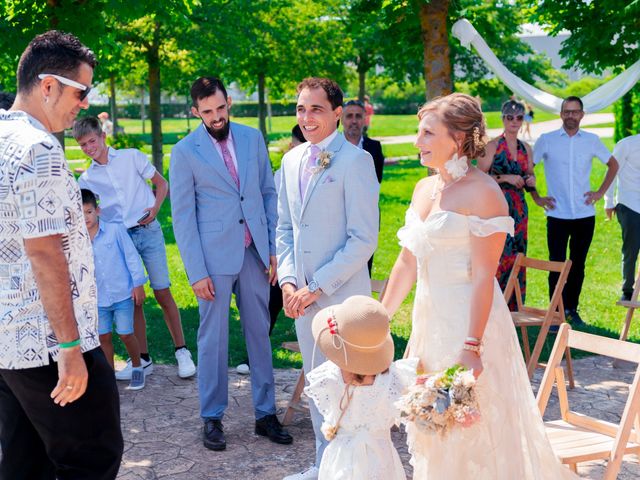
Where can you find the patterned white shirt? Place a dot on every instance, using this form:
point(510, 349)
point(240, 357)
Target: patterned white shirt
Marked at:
point(39, 197)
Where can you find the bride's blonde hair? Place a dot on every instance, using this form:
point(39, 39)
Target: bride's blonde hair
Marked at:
point(460, 113)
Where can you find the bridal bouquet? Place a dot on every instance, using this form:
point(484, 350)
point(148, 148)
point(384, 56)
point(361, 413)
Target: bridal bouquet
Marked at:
point(438, 402)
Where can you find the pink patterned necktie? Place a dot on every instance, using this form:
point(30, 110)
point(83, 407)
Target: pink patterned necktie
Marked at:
point(307, 169)
point(228, 161)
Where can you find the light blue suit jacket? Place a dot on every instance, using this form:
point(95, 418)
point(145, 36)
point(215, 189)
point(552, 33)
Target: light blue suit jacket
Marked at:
point(330, 234)
point(208, 209)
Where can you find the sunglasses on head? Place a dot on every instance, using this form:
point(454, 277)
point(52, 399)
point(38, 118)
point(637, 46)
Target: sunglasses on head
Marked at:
point(85, 89)
point(511, 118)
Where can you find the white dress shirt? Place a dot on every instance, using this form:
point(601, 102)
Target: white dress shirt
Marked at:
point(230, 146)
point(121, 185)
point(567, 169)
point(627, 153)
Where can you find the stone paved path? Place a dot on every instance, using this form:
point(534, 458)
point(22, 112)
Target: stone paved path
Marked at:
point(162, 429)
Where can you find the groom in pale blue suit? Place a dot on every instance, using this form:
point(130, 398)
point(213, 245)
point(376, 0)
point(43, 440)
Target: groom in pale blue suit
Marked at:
point(327, 226)
point(223, 202)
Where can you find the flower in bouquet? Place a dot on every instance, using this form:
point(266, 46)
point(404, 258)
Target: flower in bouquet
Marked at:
point(441, 401)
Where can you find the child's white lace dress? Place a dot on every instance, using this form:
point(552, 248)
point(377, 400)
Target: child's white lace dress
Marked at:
point(362, 448)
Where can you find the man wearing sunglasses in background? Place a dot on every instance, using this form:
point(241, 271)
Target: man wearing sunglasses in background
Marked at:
point(567, 154)
point(59, 405)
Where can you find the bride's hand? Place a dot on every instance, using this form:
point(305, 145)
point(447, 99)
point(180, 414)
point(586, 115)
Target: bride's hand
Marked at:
point(472, 361)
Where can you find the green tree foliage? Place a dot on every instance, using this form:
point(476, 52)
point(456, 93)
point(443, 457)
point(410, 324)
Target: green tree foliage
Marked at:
point(273, 44)
point(410, 51)
point(605, 34)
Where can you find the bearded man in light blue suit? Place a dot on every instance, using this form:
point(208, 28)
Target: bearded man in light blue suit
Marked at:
point(223, 202)
point(327, 226)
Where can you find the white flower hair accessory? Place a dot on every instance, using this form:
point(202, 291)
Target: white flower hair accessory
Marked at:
point(457, 166)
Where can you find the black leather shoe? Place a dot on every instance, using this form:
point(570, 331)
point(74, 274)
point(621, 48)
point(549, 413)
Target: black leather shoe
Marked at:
point(214, 435)
point(269, 426)
point(574, 319)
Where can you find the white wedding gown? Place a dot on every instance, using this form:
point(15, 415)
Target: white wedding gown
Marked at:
point(509, 442)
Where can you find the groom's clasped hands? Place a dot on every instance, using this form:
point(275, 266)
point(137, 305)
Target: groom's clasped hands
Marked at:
point(296, 300)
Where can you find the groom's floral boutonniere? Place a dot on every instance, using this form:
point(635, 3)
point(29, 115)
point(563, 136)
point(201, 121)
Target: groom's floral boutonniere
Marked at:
point(324, 161)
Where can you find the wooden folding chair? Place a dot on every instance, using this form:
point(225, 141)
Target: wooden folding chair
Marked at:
point(576, 437)
point(631, 306)
point(527, 317)
point(295, 404)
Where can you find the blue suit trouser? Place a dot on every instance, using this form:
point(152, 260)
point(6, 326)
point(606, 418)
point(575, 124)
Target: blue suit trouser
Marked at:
point(251, 288)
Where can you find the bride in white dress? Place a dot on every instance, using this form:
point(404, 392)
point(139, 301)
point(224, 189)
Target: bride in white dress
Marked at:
point(452, 241)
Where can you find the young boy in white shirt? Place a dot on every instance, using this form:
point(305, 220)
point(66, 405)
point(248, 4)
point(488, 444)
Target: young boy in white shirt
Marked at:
point(119, 179)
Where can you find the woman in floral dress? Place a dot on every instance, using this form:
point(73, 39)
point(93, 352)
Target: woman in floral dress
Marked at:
point(510, 162)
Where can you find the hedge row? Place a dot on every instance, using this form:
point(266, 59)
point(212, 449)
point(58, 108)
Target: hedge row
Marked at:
point(391, 106)
point(627, 113)
point(172, 110)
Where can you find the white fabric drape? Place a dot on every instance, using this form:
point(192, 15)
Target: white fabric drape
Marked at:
point(600, 98)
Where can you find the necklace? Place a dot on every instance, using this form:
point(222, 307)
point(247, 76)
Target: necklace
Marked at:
point(437, 190)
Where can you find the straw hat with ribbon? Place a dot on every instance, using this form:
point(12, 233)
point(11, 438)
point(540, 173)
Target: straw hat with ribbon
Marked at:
point(355, 335)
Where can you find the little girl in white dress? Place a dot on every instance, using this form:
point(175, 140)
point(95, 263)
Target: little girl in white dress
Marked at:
point(355, 390)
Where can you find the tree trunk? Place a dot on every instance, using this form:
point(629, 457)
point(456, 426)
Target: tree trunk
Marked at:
point(362, 78)
point(155, 111)
point(142, 112)
point(112, 104)
point(262, 108)
point(188, 112)
point(53, 23)
point(435, 40)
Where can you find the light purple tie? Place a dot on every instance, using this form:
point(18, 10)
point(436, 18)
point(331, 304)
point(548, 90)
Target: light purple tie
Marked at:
point(307, 169)
point(228, 161)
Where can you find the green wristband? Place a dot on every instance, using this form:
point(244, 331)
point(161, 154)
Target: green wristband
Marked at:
point(72, 344)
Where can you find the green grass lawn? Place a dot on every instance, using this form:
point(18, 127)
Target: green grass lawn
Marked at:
point(600, 292)
point(381, 125)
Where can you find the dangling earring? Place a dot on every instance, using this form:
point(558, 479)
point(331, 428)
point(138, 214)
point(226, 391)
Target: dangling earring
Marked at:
point(457, 166)
point(46, 99)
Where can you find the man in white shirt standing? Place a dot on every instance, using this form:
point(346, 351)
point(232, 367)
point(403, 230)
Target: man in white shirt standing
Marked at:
point(567, 154)
point(627, 207)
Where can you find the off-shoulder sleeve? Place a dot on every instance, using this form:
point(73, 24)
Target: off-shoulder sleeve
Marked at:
point(324, 389)
point(413, 235)
point(483, 227)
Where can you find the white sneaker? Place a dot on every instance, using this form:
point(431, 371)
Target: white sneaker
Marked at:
point(186, 367)
point(125, 373)
point(310, 473)
point(243, 369)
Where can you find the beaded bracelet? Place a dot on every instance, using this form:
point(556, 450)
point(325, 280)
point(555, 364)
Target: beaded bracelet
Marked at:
point(71, 344)
point(477, 349)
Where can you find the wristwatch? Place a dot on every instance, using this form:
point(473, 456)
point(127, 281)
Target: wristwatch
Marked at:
point(313, 286)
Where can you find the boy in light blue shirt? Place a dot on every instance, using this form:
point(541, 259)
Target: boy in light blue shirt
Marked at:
point(120, 281)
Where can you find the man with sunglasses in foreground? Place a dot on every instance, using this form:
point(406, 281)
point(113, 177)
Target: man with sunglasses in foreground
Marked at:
point(567, 154)
point(59, 405)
